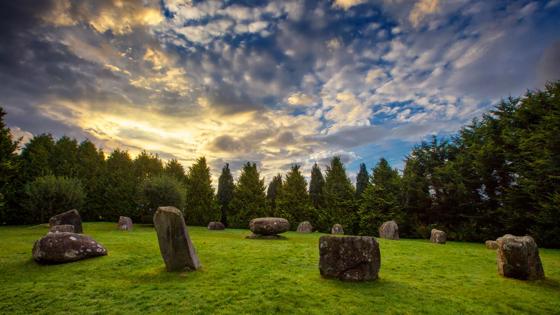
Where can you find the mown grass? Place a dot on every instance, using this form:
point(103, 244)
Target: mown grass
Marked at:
point(263, 276)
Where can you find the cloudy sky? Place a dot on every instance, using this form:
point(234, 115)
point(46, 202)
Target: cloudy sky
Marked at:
point(277, 82)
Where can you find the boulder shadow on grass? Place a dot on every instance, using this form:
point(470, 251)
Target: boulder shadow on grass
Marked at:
point(266, 237)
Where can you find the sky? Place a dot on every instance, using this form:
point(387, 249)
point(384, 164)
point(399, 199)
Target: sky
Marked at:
point(272, 82)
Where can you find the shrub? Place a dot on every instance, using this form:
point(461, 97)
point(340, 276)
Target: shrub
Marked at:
point(161, 190)
point(49, 195)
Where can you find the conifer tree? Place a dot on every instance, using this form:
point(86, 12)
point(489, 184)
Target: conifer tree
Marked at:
point(90, 171)
point(293, 201)
point(225, 192)
point(174, 169)
point(200, 205)
point(120, 184)
point(36, 156)
point(249, 199)
point(9, 169)
point(362, 180)
point(316, 186)
point(340, 205)
point(147, 164)
point(272, 192)
point(64, 157)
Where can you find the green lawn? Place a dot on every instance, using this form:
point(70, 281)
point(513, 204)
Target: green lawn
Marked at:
point(263, 276)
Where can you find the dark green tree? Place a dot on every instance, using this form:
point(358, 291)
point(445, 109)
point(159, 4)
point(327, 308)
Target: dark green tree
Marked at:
point(340, 205)
point(362, 180)
point(175, 169)
point(91, 171)
point(201, 206)
point(36, 157)
point(316, 186)
point(120, 184)
point(249, 199)
point(64, 157)
point(274, 188)
point(226, 187)
point(9, 170)
point(293, 202)
point(147, 164)
point(161, 190)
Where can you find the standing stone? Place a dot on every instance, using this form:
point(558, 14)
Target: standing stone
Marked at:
point(351, 258)
point(305, 227)
point(337, 229)
point(268, 226)
point(175, 245)
point(438, 236)
point(62, 247)
point(389, 230)
point(71, 217)
point(125, 223)
point(62, 228)
point(518, 257)
point(216, 226)
point(490, 244)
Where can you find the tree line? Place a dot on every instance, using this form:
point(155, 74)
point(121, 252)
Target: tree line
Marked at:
point(499, 174)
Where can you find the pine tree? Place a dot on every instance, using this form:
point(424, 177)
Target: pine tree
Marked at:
point(147, 164)
point(200, 206)
point(362, 180)
point(64, 157)
point(380, 200)
point(340, 205)
point(36, 156)
point(91, 170)
point(174, 169)
point(316, 186)
point(293, 201)
point(249, 199)
point(9, 169)
point(272, 192)
point(226, 187)
point(120, 185)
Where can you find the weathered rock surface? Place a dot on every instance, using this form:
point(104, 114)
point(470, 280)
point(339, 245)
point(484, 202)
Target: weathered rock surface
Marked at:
point(490, 244)
point(216, 226)
point(62, 228)
point(175, 245)
point(518, 257)
point(351, 258)
point(337, 229)
point(389, 230)
point(125, 223)
point(71, 217)
point(305, 227)
point(438, 236)
point(62, 247)
point(269, 226)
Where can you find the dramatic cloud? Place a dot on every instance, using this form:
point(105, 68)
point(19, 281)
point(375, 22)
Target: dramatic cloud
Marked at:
point(274, 82)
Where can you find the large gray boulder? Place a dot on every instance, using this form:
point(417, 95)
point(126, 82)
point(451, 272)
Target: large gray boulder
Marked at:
point(63, 247)
point(62, 228)
point(389, 230)
point(351, 258)
point(216, 226)
point(175, 245)
point(71, 217)
point(491, 244)
point(518, 257)
point(337, 229)
point(125, 223)
point(305, 227)
point(269, 226)
point(438, 236)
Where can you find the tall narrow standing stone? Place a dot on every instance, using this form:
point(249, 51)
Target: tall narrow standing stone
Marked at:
point(175, 245)
point(71, 217)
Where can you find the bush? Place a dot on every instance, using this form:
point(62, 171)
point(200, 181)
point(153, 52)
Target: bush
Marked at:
point(50, 195)
point(161, 190)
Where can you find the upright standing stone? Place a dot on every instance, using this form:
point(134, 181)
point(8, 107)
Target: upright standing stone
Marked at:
point(71, 217)
point(175, 245)
point(305, 227)
point(337, 229)
point(389, 230)
point(490, 244)
point(216, 226)
point(352, 258)
point(125, 223)
point(518, 257)
point(438, 236)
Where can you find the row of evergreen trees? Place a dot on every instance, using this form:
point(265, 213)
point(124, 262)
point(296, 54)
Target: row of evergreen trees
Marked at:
point(500, 174)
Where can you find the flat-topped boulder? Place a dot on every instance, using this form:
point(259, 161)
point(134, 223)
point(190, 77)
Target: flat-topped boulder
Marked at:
point(389, 230)
point(518, 257)
point(62, 228)
point(63, 247)
point(337, 229)
point(216, 226)
point(438, 236)
point(491, 244)
point(175, 245)
point(71, 217)
point(269, 226)
point(125, 223)
point(350, 258)
point(305, 227)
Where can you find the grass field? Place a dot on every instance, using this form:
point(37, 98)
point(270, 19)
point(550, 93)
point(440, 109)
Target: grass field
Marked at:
point(263, 276)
